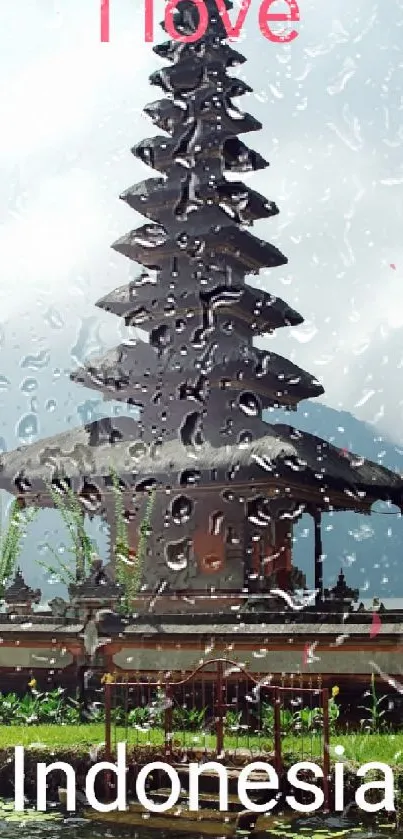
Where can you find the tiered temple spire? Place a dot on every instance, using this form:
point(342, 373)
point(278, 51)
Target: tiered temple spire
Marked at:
point(200, 373)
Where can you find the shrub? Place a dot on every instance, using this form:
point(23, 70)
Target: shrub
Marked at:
point(232, 722)
point(52, 707)
point(189, 719)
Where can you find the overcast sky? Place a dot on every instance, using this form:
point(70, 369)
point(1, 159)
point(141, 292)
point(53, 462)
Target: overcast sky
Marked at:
point(332, 108)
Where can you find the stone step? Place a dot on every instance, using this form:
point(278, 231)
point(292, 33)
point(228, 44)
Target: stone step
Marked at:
point(207, 800)
point(206, 822)
point(209, 780)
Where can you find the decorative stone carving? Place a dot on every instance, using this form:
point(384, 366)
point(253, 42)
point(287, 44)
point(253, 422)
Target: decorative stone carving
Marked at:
point(341, 596)
point(96, 592)
point(19, 597)
point(58, 607)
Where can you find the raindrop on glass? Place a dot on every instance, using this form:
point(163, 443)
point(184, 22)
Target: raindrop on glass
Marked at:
point(28, 385)
point(27, 428)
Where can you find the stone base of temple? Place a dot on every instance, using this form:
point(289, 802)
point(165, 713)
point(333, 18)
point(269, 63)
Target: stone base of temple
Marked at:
point(287, 633)
point(306, 645)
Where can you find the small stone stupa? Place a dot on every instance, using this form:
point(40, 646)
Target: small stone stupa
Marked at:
point(19, 597)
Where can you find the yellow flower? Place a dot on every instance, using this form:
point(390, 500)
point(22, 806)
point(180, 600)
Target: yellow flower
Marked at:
point(107, 679)
point(32, 684)
point(335, 691)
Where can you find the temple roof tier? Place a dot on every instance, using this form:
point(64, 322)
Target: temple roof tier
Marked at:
point(176, 198)
point(161, 153)
point(137, 359)
point(254, 310)
point(186, 20)
point(272, 378)
point(200, 76)
point(175, 50)
point(281, 462)
point(197, 75)
point(151, 246)
point(169, 113)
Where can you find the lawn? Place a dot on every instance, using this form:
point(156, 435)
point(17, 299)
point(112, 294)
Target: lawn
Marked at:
point(359, 747)
point(52, 736)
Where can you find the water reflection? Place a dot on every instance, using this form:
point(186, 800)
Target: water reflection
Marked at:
point(60, 829)
point(310, 828)
point(329, 827)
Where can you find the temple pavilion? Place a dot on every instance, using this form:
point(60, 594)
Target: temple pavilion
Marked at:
point(228, 487)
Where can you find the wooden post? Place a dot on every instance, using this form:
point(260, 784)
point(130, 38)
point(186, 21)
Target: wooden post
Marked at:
point(108, 736)
point(220, 709)
point(168, 719)
point(317, 518)
point(326, 744)
point(277, 697)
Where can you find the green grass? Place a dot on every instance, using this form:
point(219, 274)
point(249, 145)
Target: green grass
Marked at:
point(362, 748)
point(359, 748)
point(51, 736)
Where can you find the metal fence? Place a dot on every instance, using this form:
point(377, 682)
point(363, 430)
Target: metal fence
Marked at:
point(221, 710)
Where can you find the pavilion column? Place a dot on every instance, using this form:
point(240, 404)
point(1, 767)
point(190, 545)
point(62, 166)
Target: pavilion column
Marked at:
point(317, 518)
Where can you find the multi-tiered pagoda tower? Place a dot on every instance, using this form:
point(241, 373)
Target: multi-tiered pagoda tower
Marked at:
point(228, 486)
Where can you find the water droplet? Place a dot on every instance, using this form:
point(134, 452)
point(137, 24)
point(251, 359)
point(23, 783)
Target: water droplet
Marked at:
point(177, 555)
point(88, 341)
point(138, 450)
point(36, 361)
point(54, 318)
point(27, 428)
point(181, 509)
point(28, 385)
point(4, 383)
point(249, 404)
point(304, 333)
point(51, 405)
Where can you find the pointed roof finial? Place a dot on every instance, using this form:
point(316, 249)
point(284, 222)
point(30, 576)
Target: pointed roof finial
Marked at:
point(19, 592)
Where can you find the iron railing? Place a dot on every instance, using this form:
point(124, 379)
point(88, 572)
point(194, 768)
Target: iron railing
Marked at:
point(221, 710)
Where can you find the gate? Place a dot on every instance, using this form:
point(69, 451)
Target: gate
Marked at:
point(219, 710)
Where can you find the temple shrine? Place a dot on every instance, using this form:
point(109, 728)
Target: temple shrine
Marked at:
point(228, 486)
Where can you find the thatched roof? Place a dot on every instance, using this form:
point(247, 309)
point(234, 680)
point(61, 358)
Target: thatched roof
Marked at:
point(283, 455)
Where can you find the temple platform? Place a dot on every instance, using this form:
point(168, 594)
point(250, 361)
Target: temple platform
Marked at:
point(335, 647)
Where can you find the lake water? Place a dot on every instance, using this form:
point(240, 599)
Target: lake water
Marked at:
point(308, 828)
